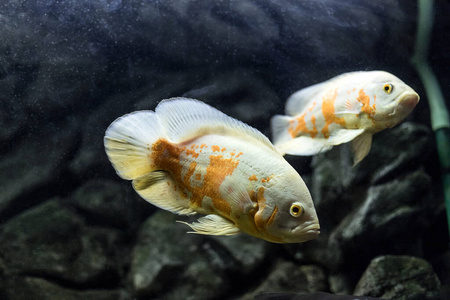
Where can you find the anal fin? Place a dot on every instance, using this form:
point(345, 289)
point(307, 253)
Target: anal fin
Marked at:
point(159, 189)
point(213, 225)
point(361, 147)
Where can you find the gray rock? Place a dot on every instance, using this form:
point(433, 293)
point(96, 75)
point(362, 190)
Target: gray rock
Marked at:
point(52, 242)
point(40, 289)
point(107, 203)
point(288, 277)
point(168, 263)
point(398, 277)
point(165, 254)
point(34, 169)
point(394, 215)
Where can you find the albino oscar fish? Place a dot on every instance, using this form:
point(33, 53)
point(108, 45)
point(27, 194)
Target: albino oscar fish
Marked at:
point(187, 157)
point(349, 107)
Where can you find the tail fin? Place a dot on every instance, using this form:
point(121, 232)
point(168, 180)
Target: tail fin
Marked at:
point(128, 140)
point(279, 127)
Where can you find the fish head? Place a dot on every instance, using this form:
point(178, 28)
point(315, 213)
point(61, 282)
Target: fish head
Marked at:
point(288, 214)
point(393, 99)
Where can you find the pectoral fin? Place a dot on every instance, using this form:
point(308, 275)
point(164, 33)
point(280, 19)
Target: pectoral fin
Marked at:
point(361, 147)
point(213, 225)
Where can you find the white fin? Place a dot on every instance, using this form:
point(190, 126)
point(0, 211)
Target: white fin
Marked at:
point(303, 145)
point(341, 136)
point(185, 119)
point(361, 147)
point(127, 142)
point(298, 101)
point(159, 189)
point(278, 126)
point(213, 225)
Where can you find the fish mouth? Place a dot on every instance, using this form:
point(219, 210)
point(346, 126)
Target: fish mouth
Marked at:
point(408, 100)
point(309, 230)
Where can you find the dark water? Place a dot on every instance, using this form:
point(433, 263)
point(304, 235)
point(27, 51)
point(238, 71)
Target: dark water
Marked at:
point(71, 229)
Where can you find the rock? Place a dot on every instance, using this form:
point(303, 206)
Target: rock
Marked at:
point(197, 267)
point(394, 215)
point(34, 169)
point(398, 277)
point(309, 296)
point(52, 242)
point(41, 289)
point(289, 277)
point(107, 203)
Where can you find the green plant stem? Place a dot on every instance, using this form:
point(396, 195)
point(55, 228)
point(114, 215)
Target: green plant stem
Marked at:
point(440, 121)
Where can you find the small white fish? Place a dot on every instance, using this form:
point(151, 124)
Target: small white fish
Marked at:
point(349, 107)
point(188, 158)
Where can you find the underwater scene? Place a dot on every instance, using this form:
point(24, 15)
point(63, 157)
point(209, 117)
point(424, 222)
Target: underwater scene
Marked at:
point(224, 149)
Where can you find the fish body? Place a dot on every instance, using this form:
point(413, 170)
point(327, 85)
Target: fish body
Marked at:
point(189, 158)
point(349, 107)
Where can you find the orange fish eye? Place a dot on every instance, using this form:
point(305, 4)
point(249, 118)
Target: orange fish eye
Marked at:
point(296, 210)
point(387, 88)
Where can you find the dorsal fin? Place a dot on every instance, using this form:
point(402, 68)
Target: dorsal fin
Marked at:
point(184, 119)
point(299, 100)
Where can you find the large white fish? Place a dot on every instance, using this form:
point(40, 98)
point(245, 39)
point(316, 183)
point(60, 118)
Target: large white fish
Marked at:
point(187, 158)
point(349, 107)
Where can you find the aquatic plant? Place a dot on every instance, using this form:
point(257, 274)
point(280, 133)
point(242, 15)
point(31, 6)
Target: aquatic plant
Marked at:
point(440, 121)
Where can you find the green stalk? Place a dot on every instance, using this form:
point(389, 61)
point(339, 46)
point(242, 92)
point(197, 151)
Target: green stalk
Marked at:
point(440, 121)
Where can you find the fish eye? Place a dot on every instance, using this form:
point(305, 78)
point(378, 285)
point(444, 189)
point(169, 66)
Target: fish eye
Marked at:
point(296, 210)
point(387, 88)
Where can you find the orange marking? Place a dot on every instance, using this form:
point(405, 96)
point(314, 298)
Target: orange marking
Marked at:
point(190, 172)
point(215, 148)
point(272, 216)
point(193, 146)
point(253, 178)
point(329, 113)
point(198, 176)
point(264, 180)
point(223, 149)
point(166, 156)
point(259, 222)
point(232, 153)
point(239, 154)
point(191, 152)
point(301, 127)
point(364, 99)
point(218, 169)
point(203, 146)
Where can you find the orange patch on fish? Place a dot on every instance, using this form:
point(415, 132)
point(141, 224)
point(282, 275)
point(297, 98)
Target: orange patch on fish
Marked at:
point(259, 221)
point(364, 99)
point(328, 112)
point(215, 148)
point(272, 216)
point(302, 128)
point(253, 178)
point(167, 157)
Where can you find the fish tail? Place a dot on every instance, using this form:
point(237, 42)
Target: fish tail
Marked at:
point(280, 134)
point(128, 141)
